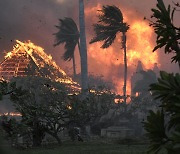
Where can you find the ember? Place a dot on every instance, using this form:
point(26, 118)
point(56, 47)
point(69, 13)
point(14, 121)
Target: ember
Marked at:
point(12, 114)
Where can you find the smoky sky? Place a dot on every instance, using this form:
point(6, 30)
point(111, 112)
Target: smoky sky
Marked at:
point(35, 20)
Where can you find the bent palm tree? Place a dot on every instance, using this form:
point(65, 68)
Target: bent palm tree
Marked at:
point(110, 23)
point(68, 33)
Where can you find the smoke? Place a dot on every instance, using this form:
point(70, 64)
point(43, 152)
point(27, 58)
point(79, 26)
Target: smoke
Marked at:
point(140, 43)
point(35, 19)
point(32, 20)
point(60, 1)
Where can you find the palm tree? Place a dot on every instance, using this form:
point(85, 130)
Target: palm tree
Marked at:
point(83, 49)
point(69, 34)
point(110, 23)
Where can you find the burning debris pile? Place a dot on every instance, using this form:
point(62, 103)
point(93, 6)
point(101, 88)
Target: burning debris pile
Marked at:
point(29, 59)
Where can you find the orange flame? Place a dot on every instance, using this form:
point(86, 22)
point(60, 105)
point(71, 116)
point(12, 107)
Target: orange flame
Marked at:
point(32, 49)
point(13, 114)
point(109, 62)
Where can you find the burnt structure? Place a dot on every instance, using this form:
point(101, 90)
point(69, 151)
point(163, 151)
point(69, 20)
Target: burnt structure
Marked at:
point(29, 59)
point(137, 75)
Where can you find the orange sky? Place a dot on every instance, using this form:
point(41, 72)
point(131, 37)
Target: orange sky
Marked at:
point(34, 20)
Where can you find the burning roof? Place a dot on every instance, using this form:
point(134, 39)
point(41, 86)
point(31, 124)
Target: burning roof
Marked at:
point(29, 59)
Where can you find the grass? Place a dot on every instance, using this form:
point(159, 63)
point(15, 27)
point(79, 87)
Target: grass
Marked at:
point(83, 148)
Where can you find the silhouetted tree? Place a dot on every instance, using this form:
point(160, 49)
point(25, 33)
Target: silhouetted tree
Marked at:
point(168, 35)
point(110, 23)
point(42, 104)
point(163, 126)
point(69, 35)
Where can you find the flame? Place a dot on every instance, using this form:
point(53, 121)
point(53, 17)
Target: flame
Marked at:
point(8, 55)
point(109, 62)
point(32, 50)
point(116, 101)
point(69, 107)
point(30, 47)
point(143, 47)
point(13, 114)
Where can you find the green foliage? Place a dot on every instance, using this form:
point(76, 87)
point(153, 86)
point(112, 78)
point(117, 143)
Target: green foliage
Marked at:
point(109, 24)
point(5, 88)
point(12, 128)
point(176, 139)
point(68, 33)
point(97, 82)
point(156, 131)
point(46, 106)
point(163, 128)
point(167, 34)
point(143, 103)
point(42, 104)
point(168, 91)
point(86, 111)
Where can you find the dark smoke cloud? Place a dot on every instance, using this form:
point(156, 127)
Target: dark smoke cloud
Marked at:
point(32, 20)
point(35, 19)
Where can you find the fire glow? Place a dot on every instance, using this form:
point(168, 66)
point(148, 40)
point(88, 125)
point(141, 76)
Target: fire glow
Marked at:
point(12, 114)
point(41, 59)
point(32, 50)
point(109, 62)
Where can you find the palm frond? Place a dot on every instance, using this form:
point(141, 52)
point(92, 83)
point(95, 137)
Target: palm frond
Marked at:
point(111, 15)
point(69, 50)
point(109, 24)
point(68, 34)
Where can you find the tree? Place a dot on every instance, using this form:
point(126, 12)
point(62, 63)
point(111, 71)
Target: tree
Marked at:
point(110, 23)
point(163, 127)
point(69, 34)
point(156, 131)
point(83, 48)
point(84, 112)
point(97, 82)
point(42, 104)
point(5, 88)
point(168, 35)
point(47, 107)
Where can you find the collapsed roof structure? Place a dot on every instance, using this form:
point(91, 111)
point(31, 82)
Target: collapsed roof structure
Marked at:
point(29, 59)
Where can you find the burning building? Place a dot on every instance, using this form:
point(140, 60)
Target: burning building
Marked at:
point(29, 59)
point(138, 76)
